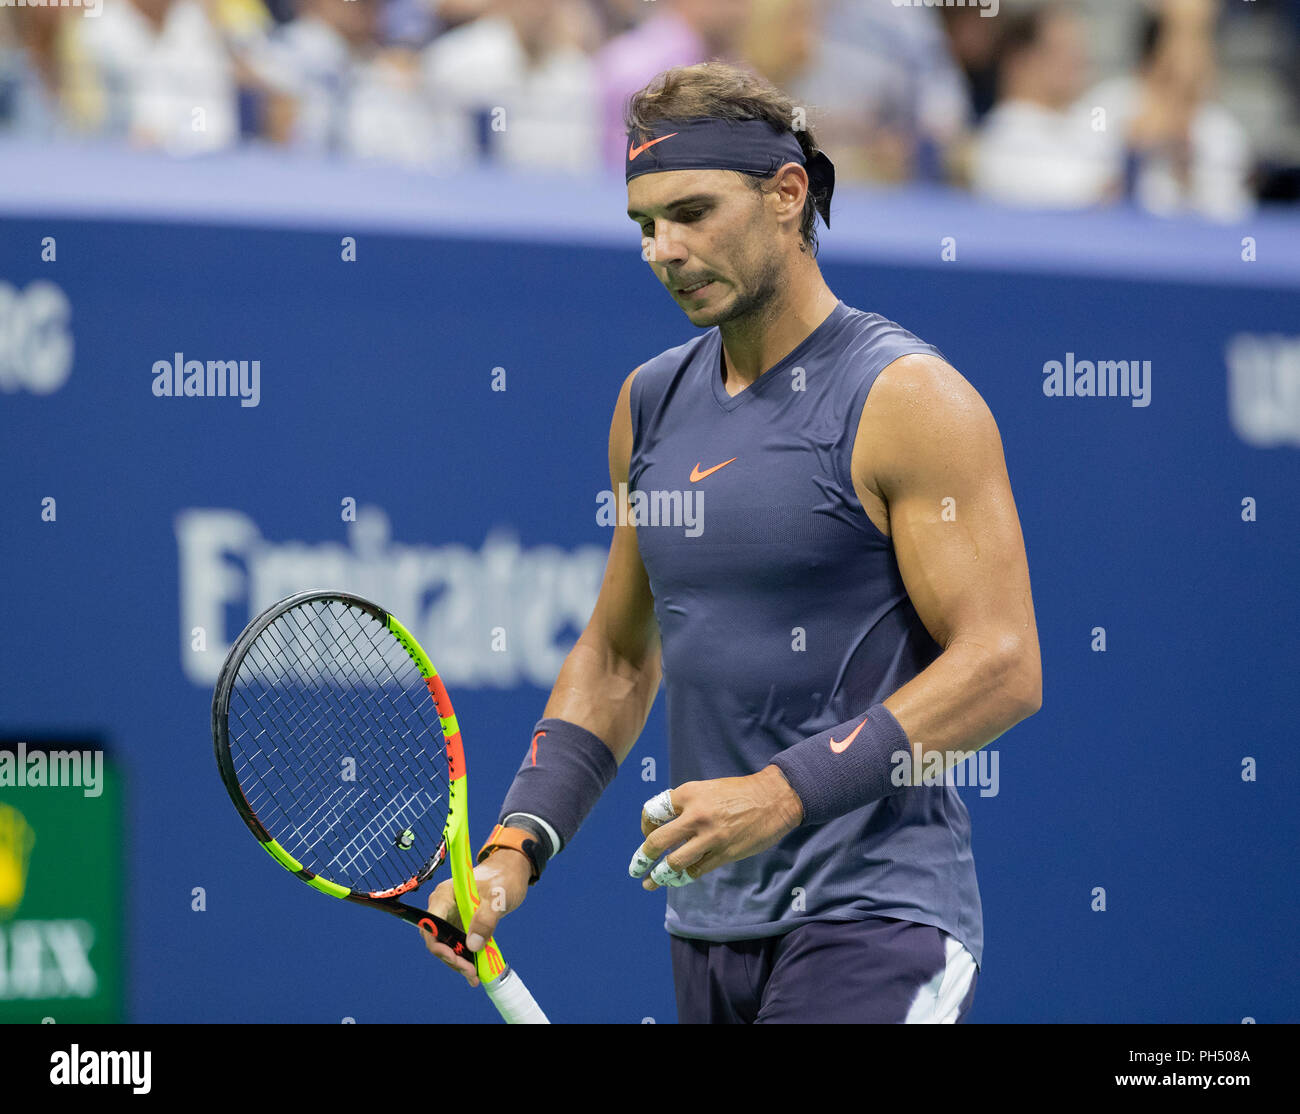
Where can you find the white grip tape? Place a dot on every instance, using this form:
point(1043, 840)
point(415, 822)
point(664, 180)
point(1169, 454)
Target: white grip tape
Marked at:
point(514, 1000)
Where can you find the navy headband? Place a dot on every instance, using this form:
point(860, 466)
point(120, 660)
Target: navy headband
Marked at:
point(707, 143)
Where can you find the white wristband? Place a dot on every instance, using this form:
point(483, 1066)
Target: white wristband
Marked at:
point(551, 833)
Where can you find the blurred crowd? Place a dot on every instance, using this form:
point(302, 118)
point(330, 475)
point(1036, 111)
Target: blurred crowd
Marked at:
point(1006, 104)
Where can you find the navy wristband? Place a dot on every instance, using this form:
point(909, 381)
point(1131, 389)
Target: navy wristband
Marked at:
point(563, 774)
point(848, 766)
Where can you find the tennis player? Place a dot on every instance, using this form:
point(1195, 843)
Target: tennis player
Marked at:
point(851, 618)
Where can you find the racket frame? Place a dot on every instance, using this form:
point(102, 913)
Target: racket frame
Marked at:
point(488, 961)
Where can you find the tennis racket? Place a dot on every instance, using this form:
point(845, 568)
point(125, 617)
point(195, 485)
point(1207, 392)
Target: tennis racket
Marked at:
point(337, 742)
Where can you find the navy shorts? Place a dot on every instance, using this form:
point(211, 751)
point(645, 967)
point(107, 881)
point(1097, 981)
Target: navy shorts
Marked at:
point(878, 970)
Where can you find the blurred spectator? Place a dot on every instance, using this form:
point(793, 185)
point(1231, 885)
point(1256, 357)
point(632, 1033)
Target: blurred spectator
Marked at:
point(410, 23)
point(282, 11)
point(1039, 147)
point(918, 109)
point(345, 94)
point(783, 40)
point(679, 33)
point(30, 71)
point(517, 85)
point(164, 73)
point(452, 13)
point(1180, 149)
point(862, 102)
point(973, 43)
point(617, 16)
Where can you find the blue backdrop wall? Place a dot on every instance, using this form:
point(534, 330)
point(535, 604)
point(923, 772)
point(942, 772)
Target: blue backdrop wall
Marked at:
point(476, 510)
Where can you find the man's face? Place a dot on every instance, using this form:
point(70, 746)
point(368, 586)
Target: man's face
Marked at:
point(707, 226)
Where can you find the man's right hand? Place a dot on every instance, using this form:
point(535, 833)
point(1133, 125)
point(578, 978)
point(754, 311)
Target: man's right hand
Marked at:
point(502, 880)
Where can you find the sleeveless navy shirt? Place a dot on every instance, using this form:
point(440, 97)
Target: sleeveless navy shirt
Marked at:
point(783, 613)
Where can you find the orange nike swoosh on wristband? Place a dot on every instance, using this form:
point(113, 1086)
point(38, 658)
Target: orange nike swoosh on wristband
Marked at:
point(840, 748)
point(697, 475)
point(632, 151)
point(535, 738)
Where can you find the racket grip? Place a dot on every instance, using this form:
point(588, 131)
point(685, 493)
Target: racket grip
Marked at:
point(514, 1000)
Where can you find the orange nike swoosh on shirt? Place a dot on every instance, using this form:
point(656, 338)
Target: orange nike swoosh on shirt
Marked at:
point(840, 748)
point(697, 475)
point(632, 151)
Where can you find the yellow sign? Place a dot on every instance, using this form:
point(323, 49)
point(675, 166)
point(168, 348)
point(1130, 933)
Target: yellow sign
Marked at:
point(16, 842)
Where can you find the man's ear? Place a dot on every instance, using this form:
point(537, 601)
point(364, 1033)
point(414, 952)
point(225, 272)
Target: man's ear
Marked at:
point(791, 186)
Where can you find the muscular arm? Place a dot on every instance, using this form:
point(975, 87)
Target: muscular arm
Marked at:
point(606, 685)
point(929, 452)
point(609, 680)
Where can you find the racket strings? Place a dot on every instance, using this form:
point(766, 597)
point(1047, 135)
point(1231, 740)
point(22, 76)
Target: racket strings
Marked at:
point(357, 853)
point(323, 683)
point(357, 713)
point(356, 700)
point(285, 724)
point(291, 730)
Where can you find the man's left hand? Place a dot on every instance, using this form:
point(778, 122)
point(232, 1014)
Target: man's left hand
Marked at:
point(716, 822)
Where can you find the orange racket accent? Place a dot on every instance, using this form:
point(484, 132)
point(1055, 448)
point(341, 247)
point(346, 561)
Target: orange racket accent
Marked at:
point(396, 891)
point(455, 751)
